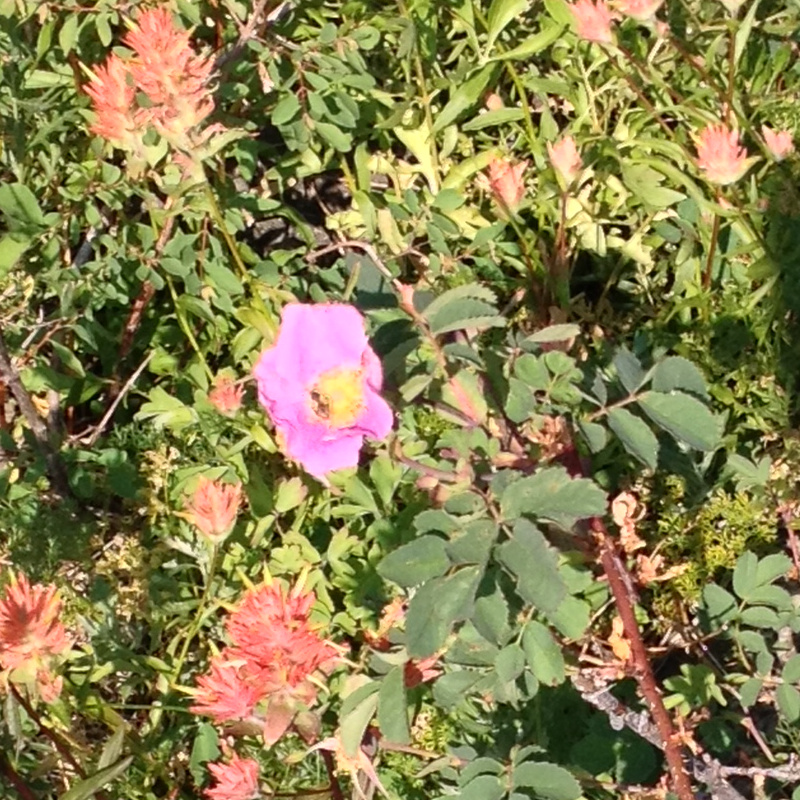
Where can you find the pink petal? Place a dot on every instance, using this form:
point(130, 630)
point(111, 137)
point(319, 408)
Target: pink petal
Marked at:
point(321, 451)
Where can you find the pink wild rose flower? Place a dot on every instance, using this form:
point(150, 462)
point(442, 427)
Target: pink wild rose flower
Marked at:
point(779, 143)
point(592, 20)
point(719, 155)
point(565, 158)
point(320, 384)
point(507, 181)
point(235, 780)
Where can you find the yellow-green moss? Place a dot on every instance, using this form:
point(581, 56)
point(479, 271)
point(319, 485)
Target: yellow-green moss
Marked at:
point(708, 540)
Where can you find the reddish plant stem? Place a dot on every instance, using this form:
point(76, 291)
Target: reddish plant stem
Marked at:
point(61, 746)
point(330, 766)
point(643, 672)
point(13, 778)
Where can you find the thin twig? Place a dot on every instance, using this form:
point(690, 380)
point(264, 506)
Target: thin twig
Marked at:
point(55, 466)
point(117, 400)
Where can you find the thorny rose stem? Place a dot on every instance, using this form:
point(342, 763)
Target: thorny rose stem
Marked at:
point(642, 671)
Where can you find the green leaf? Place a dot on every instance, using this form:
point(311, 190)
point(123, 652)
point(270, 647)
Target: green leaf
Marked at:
point(334, 136)
point(596, 435)
point(204, 749)
point(88, 787)
point(720, 604)
point(484, 787)
point(772, 567)
point(473, 543)
point(490, 617)
point(20, 206)
point(500, 116)
point(745, 574)
point(543, 654)
point(547, 780)
point(12, 247)
point(436, 607)
point(788, 700)
point(68, 34)
point(416, 562)
point(501, 12)
point(749, 691)
point(509, 663)
point(355, 716)
point(451, 688)
point(532, 45)
point(553, 333)
point(463, 97)
point(760, 617)
point(791, 670)
point(469, 306)
point(635, 435)
point(629, 369)
point(553, 495)
point(682, 416)
point(571, 617)
point(679, 373)
point(393, 707)
point(529, 557)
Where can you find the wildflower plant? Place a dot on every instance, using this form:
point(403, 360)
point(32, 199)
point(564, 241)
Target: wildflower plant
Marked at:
point(398, 402)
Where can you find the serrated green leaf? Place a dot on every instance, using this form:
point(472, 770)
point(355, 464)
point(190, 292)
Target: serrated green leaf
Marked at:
point(484, 787)
point(745, 574)
point(416, 562)
point(678, 373)
point(543, 654)
point(749, 691)
point(529, 557)
point(470, 306)
point(635, 435)
point(788, 700)
point(720, 604)
point(629, 369)
point(772, 567)
point(791, 670)
point(548, 781)
point(393, 707)
point(436, 607)
point(682, 416)
point(553, 495)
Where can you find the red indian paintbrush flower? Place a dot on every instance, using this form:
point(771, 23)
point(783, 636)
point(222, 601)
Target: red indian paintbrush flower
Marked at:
point(720, 156)
point(213, 508)
point(226, 396)
point(779, 143)
point(31, 634)
point(113, 93)
point(236, 780)
point(592, 20)
point(170, 73)
point(225, 693)
point(507, 182)
point(265, 675)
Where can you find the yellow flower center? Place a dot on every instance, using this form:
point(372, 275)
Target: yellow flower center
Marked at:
point(337, 398)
